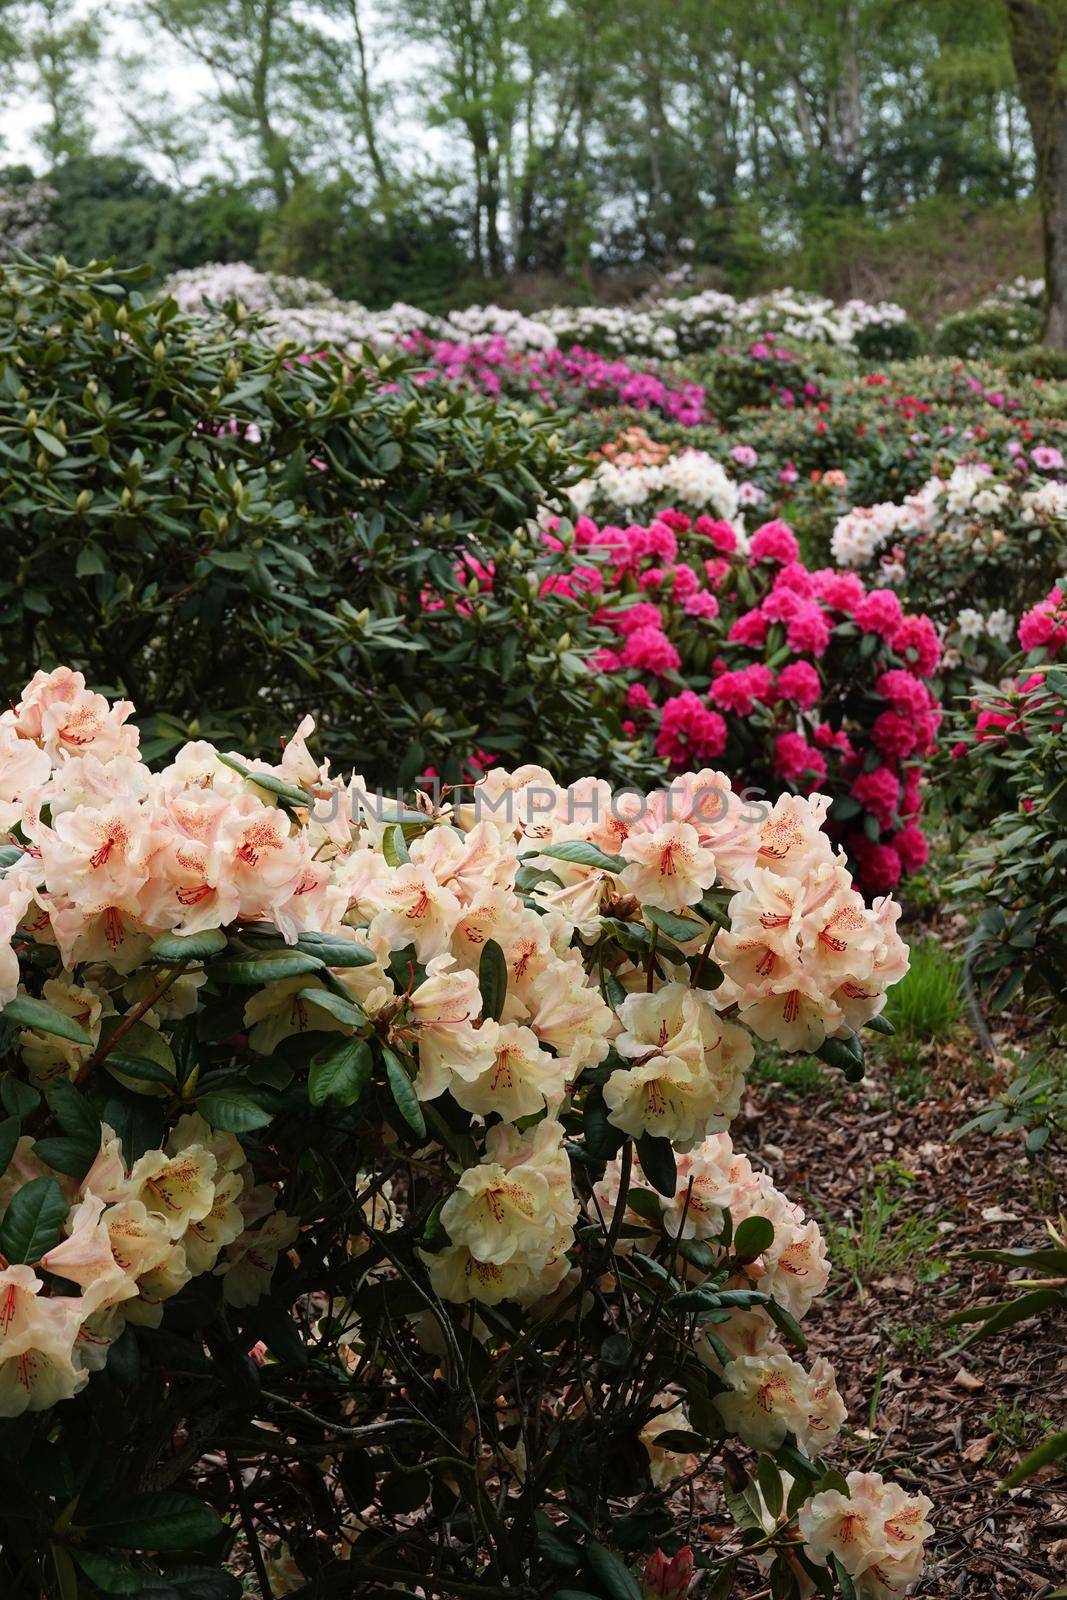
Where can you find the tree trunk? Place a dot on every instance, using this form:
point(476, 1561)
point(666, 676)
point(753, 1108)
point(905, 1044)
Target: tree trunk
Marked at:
point(1038, 33)
point(366, 109)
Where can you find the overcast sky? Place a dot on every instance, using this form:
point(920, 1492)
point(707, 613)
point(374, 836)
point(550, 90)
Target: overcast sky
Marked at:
point(173, 81)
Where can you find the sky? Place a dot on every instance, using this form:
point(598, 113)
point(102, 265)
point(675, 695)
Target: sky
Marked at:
point(172, 81)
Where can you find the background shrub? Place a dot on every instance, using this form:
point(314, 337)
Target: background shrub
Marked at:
point(229, 534)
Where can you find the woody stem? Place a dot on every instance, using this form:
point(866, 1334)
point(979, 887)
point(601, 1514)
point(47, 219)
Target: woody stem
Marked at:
point(105, 1047)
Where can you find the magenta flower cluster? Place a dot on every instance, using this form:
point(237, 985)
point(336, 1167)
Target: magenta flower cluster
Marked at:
point(559, 378)
point(812, 680)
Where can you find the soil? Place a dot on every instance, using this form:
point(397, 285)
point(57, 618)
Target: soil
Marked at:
point(951, 1423)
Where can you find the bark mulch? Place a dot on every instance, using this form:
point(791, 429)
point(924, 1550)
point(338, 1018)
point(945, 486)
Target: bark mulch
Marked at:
point(952, 1424)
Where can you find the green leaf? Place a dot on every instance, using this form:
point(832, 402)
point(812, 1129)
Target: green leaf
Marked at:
point(342, 1010)
point(267, 781)
point(33, 1221)
point(114, 1577)
point(342, 1075)
point(723, 1585)
point(142, 1060)
point(20, 1099)
point(612, 1572)
point(335, 951)
point(74, 1113)
point(658, 1163)
point(681, 928)
point(602, 1139)
point(581, 853)
point(90, 562)
point(881, 1024)
point(162, 1521)
point(232, 1111)
point(752, 1237)
point(786, 1324)
point(403, 1092)
point(492, 979)
point(266, 967)
point(188, 946)
point(1013, 1311)
point(10, 1133)
point(770, 1481)
point(1050, 1450)
point(394, 846)
point(26, 1012)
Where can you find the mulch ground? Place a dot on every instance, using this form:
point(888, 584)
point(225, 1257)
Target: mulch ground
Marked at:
point(952, 1424)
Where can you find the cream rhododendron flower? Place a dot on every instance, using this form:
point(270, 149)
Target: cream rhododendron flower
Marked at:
point(522, 1080)
point(179, 1188)
point(15, 897)
point(770, 1395)
point(668, 867)
point(876, 1531)
point(442, 1018)
point(281, 1009)
point(667, 1098)
point(49, 1056)
point(497, 1214)
point(249, 1262)
point(86, 1258)
point(59, 713)
point(666, 1465)
point(416, 910)
point(23, 768)
point(151, 910)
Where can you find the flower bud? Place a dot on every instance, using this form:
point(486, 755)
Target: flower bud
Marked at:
point(668, 1578)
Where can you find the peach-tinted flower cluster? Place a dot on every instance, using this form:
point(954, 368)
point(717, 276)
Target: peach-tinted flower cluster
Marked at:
point(133, 1238)
point(818, 682)
point(875, 1530)
point(114, 856)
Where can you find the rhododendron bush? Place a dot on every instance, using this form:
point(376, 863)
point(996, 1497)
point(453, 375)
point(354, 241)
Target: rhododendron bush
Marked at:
point(975, 548)
point(368, 1208)
point(1007, 774)
point(230, 534)
point(729, 648)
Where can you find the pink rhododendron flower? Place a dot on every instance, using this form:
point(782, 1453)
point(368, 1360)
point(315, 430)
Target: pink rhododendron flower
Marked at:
point(722, 535)
point(879, 791)
point(808, 630)
point(689, 732)
point(774, 541)
point(800, 683)
point(649, 650)
point(880, 611)
point(916, 640)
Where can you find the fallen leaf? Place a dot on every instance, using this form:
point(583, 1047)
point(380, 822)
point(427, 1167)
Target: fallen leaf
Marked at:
point(967, 1380)
point(978, 1449)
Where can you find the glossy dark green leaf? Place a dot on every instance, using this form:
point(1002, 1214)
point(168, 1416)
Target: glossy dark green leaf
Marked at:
point(33, 1220)
point(492, 979)
point(342, 1074)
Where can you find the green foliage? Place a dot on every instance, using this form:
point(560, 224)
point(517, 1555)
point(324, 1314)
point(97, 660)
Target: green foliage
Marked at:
point(1013, 786)
point(232, 536)
point(1041, 1273)
point(886, 1235)
point(926, 1005)
point(1038, 361)
point(988, 329)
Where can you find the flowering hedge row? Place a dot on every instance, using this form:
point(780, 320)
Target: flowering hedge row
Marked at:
point(335, 1123)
